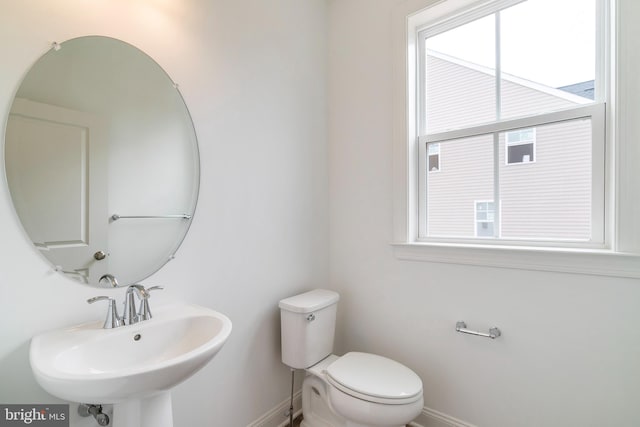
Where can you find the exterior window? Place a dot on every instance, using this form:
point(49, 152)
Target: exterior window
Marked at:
point(433, 154)
point(485, 215)
point(521, 146)
point(493, 92)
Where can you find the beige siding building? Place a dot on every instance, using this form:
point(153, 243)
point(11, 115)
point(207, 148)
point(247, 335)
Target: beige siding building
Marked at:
point(544, 172)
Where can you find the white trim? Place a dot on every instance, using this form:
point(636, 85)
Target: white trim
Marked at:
point(276, 416)
point(432, 418)
point(612, 165)
point(585, 111)
point(461, 13)
point(427, 418)
point(589, 262)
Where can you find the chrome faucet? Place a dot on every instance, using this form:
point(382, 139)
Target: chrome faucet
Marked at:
point(144, 312)
point(113, 320)
point(131, 314)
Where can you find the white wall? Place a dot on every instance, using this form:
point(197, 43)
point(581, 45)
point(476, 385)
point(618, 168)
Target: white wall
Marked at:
point(571, 344)
point(253, 76)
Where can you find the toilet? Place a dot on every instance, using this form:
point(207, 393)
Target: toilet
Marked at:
point(354, 390)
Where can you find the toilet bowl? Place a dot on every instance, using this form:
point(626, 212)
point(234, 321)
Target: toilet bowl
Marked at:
point(354, 390)
point(360, 389)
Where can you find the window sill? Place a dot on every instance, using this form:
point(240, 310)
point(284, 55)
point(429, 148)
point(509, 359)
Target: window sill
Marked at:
point(591, 262)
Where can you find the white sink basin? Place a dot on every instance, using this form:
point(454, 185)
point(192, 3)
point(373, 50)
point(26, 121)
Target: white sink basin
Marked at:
point(89, 364)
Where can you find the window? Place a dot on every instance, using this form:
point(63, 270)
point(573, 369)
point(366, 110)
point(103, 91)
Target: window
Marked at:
point(521, 146)
point(593, 167)
point(485, 219)
point(433, 154)
point(493, 92)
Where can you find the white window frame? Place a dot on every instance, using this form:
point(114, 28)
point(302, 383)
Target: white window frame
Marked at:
point(594, 111)
point(508, 144)
point(620, 255)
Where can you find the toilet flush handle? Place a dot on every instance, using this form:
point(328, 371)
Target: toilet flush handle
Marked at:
point(311, 317)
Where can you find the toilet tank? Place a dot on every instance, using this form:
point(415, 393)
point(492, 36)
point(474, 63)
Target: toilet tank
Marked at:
point(307, 326)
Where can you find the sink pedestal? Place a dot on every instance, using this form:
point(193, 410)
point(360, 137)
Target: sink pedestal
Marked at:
point(153, 411)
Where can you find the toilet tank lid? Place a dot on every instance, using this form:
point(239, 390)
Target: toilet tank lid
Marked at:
point(309, 301)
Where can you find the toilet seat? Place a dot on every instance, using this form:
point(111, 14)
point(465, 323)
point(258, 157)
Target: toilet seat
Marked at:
point(375, 379)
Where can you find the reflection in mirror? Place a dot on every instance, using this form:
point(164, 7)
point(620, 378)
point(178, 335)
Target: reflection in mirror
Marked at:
point(101, 160)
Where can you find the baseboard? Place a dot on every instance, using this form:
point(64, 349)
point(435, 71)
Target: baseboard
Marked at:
point(428, 418)
point(432, 418)
point(276, 417)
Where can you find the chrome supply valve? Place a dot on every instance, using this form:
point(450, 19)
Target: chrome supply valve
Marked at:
point(113, 320)
point(87, 410)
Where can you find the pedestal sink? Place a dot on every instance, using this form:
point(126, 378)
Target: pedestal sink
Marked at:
point(133, 367)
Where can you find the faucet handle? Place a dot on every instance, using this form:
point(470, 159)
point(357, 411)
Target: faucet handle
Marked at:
point(145, 312)
point(112, 320)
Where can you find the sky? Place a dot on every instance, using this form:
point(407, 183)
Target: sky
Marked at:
point(546, 41)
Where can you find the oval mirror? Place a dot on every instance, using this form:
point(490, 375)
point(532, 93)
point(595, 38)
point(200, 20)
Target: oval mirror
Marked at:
point(101, 159)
